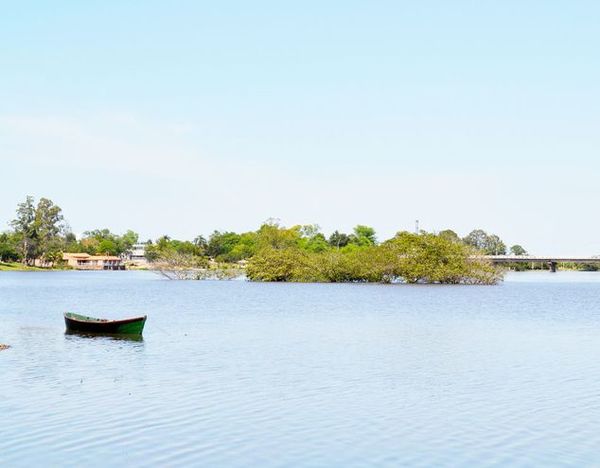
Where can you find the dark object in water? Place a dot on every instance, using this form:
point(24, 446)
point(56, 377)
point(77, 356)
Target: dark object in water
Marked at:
point(82, 324)
point(3, 347)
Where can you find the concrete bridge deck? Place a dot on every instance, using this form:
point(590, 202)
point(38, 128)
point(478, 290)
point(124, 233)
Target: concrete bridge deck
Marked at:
point(540, 259)
point(552, 262)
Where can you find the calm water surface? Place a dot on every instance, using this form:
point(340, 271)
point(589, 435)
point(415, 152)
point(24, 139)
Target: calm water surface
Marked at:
point(240, 374)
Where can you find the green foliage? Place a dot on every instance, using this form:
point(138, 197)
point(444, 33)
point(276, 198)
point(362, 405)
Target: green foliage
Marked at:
point(489, 244)
point(363, 236)
point(272, 253)
point(245, 248)
point(37, 228)
point(430, 258)
point(518, 250)
point(101, 242)
point(220, 244)
point(338, 239)
point(278, 265)
point(410, 258)
point(128, 240)
point(311, 239)
point(271, 235)
point(8, 247)
point(201, 243)
point(450, 235)
point(107, 247)
point(166, 248)
point(587, 267)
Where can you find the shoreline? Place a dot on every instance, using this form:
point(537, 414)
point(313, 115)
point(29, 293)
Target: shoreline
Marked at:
point(16, 266)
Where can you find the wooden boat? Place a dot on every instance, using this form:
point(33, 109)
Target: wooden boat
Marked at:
point(83, 324)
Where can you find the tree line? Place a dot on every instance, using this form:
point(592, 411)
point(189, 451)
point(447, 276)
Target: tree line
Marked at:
point(273, 252)
point(41, 235)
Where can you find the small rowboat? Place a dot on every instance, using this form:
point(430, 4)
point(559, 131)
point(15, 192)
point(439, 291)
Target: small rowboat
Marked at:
point(82, 324)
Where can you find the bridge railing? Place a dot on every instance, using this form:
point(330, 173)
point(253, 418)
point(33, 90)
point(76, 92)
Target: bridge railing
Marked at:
point(538, 259)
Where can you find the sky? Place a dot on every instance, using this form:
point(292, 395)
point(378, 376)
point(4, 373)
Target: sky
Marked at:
point(182, 117)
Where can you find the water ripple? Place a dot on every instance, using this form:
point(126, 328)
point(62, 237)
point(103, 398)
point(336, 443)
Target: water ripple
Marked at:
point(240, 374)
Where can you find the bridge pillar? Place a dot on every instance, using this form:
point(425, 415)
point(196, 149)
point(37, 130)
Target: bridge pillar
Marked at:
point(552, 266)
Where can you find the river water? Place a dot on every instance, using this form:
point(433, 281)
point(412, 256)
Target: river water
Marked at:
point(241, 374)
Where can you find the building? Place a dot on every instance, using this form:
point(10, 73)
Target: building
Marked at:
point(84, 261)
point(137, 255)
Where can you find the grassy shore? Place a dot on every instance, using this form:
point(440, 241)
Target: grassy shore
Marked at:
point(16, 266)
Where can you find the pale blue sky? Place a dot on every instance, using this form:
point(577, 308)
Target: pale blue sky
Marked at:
point(181, 117)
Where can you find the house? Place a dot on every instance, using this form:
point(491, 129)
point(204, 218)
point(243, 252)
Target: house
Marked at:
point(84, 261)
point(137, 255)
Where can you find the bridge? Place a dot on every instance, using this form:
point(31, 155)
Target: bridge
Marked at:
point(552, 262)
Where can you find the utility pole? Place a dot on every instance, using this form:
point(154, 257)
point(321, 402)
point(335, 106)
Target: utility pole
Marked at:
point(417, 226)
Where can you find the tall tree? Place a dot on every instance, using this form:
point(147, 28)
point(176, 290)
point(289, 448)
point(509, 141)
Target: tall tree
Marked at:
point(24, 228)
point(49, 224)
point(495, 246)
point(38, 228)
point(489, 244)
point(477, 238)
point(127, 240)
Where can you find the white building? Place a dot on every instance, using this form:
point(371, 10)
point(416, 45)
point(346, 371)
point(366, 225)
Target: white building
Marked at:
point(137, 254)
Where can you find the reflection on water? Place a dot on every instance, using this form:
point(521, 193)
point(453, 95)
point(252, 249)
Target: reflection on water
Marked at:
point(243, 374)
point(69, 334)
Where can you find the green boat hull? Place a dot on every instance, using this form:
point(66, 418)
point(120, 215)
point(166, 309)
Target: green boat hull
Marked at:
point(83, 324)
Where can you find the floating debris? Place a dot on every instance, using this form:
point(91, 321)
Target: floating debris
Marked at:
point(3, 347)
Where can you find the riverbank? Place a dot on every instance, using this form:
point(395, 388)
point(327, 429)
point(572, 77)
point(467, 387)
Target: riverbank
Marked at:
point(16, 266)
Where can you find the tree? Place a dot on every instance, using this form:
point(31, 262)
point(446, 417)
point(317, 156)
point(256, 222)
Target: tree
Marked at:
point(221, 243)
point(177, 265)
point(408, 257)
point(317, 243)
point(53, 251)
point(364, 236)
point(272, 235)
point(49, 220)
point(495, 246)
point(312, 239)
point(309, 231)
point(166, 248)
point(70, 243)
point(201, 243)
point(338, 239)
point(107, 247)
point(104, 242)
point(24, 226)
point(518, 250)
point(245, 248)
point(277, 265)
point(8, 247)
point(38, 227)
point(450, 235)
point(430, 258)
point(127, 241)
point(477, 238)
point(487, 244)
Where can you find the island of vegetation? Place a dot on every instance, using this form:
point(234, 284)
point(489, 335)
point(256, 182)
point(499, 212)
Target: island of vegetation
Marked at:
point(40, 237)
